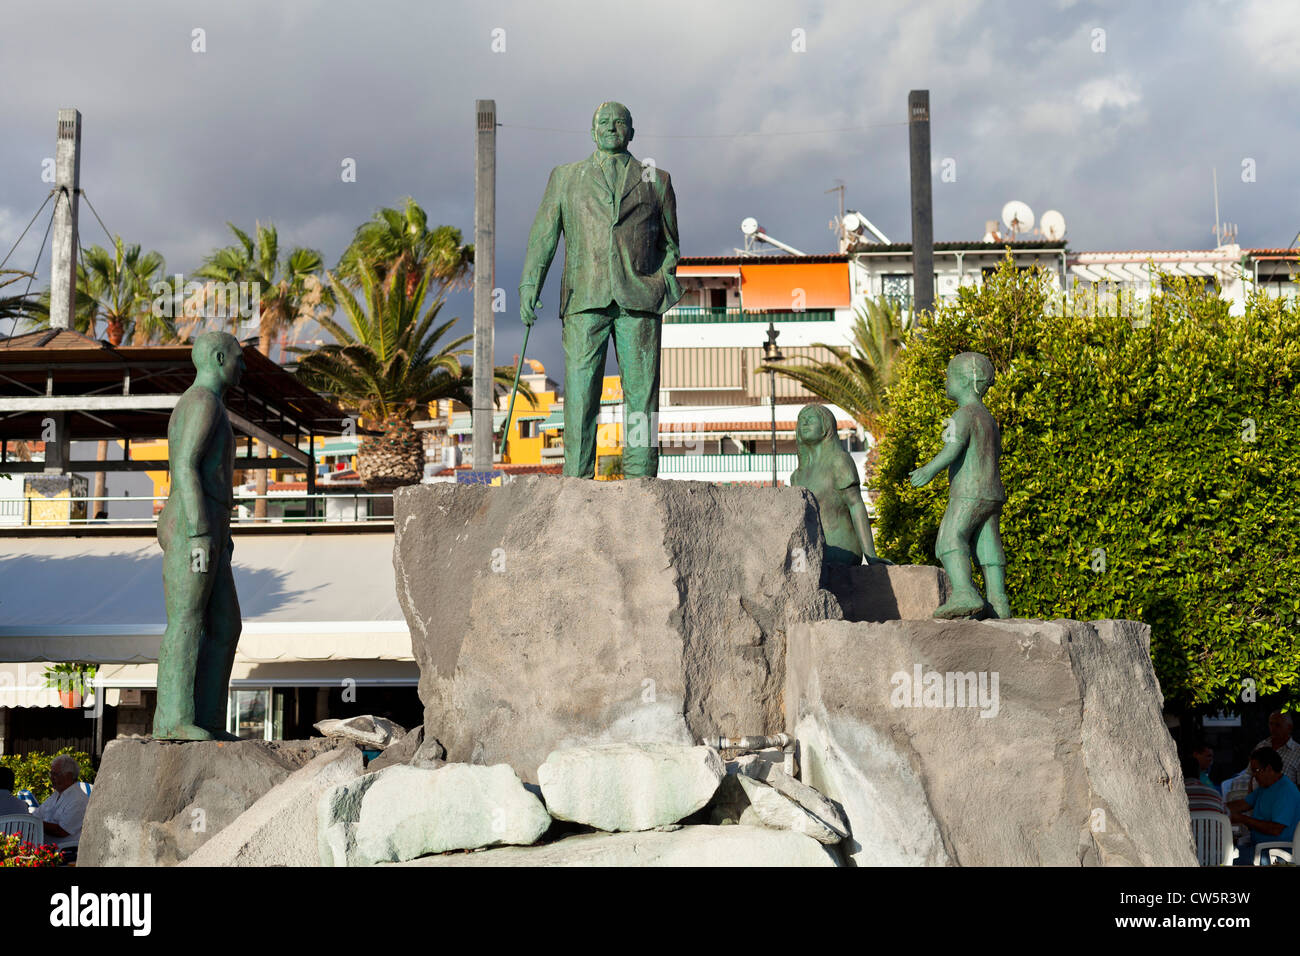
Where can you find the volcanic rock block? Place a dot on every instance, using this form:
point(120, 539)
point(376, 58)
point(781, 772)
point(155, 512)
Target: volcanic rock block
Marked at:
point(989, 743)
point(629, 786)
point(684, 846)
point(280, 828)
point(405, 812)
point(155, 801)
point(887, 592)
point(557, 612)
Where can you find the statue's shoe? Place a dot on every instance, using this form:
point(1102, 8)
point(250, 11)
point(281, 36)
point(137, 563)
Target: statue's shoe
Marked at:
point(182, 732)
point(221, 734)
point(960, 607)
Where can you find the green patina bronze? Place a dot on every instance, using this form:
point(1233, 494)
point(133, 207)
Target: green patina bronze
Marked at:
point(619, 220)
point(827, 470)
point(203, 621)
point(972, 451)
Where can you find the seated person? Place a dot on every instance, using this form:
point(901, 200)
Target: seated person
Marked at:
point(9, 804)
point(64, 809)
point(1204, 755)
point(1199, 796)
point(1270, 811)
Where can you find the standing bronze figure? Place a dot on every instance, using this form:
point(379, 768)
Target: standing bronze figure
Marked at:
point(203, 621)
point(619, 220)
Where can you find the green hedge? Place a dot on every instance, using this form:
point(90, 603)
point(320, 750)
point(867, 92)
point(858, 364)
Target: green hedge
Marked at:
point(1167, 443)
point(32, 771)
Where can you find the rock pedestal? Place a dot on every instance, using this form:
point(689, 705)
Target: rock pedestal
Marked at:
point(887, 592)
point(558, 612)
point(155, 802)
point(998, 743)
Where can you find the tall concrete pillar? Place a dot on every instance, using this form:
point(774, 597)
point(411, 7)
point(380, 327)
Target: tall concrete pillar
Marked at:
point(918, 138)
point(67, 180)
point(485, 213)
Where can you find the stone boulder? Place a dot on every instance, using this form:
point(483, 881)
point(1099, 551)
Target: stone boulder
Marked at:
point(779, 800)
point(157, 801)
point(629, 786)
point(280, 828)
point(410, 749)
point(990, 743)
point(405, 812)
point(557, 612)
point(368, 731)
point(683, 846)
point(887, 592)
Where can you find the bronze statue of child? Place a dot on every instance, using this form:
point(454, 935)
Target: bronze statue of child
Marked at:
point(827, 470)
point(971, 453)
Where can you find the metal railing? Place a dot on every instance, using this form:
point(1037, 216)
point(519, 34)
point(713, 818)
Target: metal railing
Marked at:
point(358, 507)
point(699, 315)
point(719, 463)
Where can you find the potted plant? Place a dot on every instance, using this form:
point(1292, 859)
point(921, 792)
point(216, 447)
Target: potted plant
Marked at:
point(70, 680)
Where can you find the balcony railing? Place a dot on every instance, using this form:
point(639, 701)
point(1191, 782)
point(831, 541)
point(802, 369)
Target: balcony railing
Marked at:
point(283, 508)
point(715, 464)
point(692, 315)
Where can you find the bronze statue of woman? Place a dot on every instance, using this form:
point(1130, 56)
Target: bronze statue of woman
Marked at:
point(827, 470)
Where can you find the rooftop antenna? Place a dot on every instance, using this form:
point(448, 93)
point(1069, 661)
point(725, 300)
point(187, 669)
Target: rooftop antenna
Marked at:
point(1017, 217)
point(754, 233)
point(1052, 225)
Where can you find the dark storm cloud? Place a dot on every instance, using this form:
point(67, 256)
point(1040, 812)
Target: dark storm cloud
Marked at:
point(1118, 130)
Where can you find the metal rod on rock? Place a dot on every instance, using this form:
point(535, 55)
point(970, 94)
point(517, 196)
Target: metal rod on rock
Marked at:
point(510, 413)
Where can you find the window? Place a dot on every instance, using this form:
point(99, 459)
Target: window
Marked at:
point(718, 298)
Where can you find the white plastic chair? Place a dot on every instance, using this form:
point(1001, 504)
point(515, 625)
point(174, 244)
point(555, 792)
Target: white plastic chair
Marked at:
point(1212, 833)
point(1265, 852)
point(27, 825)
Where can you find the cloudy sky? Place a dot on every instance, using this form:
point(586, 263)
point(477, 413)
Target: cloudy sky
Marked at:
point(1115, 113)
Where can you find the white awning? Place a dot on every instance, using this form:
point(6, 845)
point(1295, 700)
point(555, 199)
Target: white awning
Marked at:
point(304, 597)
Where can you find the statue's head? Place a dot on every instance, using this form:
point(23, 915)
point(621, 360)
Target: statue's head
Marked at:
point(815, 425)
point(611, 127)
point(969, 370)
point(221, 354)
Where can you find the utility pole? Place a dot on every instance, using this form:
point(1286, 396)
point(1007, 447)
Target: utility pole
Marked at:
point(918, 137)
point(67, 183)
point(485, 211)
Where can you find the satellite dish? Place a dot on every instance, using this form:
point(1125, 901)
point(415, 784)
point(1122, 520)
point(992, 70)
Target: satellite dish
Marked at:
point(1053, 225)
point(749, 226)
point(1017, 216)
point(852, 223)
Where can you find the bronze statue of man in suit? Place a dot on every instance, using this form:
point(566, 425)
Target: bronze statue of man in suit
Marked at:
point(619, 219)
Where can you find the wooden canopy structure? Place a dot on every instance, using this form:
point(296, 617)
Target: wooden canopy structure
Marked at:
point(93, 391)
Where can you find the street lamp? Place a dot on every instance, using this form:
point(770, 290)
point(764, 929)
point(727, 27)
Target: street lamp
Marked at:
point(772, 353)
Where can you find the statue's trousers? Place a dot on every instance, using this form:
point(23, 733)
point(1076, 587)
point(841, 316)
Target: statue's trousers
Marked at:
point(636, 345)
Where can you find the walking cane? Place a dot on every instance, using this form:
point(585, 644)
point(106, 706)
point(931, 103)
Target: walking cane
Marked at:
point(505, 431)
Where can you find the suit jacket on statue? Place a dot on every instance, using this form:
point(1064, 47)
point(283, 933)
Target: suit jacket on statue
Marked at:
point(618, 246)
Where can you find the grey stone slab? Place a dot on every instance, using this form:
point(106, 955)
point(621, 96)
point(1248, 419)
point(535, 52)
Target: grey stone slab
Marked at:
point(155, 802)
point(556, 612)
point(280, 828)
point(629, 786)
point(881, 592)
point(1063, 761)
point(405, 812)
point(685, 846)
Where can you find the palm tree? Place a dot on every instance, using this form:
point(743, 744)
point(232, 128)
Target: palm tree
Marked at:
point(288, 293)
point(858, 379)
point(17, 307)
point(388, 363)
point(120, 283)
point(288, 289)
point(401, 239)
